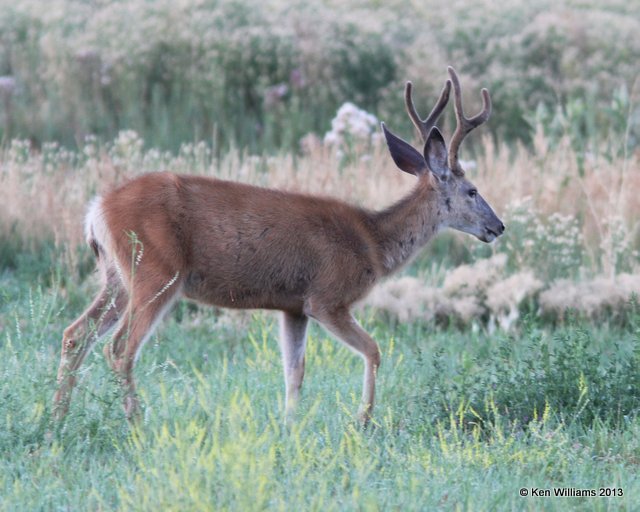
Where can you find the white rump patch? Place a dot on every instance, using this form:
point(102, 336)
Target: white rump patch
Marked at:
point(95, 225)
point(96, 230)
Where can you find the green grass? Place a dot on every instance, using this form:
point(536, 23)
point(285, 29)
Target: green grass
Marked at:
point(464, 419)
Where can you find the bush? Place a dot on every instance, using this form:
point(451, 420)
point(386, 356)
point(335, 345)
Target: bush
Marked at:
point(184, 73)
point(262, 75)
point(578, 373)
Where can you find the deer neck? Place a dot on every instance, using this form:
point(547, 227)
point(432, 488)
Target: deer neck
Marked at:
point(405, 227)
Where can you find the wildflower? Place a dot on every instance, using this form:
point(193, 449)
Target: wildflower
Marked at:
point(351, 127)
point(275, 94)
point(7, 85)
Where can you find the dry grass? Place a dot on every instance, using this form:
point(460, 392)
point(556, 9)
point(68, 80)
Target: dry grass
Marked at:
point(481, 292)
point(43, 196)
point(44, 193)
point(603, 196)
point(593, 298)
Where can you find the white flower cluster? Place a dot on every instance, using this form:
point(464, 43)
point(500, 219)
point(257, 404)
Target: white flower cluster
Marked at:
point(553, 246)
point(127, 148)
point(55, 157)
point(618, 252)
point(352, 130)
point(90, 147)
point(19, 151)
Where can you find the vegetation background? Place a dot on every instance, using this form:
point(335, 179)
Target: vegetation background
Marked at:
point(515, 365)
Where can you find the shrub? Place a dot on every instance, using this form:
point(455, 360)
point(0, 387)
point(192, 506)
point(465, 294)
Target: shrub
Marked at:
point(262, 75)
point(581, 375)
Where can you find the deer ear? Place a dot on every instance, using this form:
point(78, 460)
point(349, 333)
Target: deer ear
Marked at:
point(435, 154)
point(404, 155)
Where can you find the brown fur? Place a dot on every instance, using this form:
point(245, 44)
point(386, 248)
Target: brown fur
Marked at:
point(163, 236)
point(241, 246)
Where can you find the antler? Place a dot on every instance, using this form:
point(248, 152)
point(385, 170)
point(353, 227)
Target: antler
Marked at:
point(464, 124)
point(424, 126)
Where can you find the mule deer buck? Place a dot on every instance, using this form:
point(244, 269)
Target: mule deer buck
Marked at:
point(239, 246)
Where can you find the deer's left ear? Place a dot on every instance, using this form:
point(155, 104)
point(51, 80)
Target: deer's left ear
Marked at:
point(435, 154)
point(404, 155)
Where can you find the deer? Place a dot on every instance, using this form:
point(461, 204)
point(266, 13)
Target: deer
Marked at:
point(165, 236)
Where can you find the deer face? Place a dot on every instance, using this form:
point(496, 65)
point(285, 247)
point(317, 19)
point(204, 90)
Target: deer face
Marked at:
point(460, 206)
point(466, 210)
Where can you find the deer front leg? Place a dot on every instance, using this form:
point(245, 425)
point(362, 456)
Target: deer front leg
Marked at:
point(293, 341)
point(342, 324)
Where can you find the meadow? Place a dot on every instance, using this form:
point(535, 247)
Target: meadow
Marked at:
point(506, 368)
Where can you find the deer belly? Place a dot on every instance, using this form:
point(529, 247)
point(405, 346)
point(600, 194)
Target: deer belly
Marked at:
point(245, 293)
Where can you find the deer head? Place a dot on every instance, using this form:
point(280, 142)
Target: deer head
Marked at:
point(460, 206)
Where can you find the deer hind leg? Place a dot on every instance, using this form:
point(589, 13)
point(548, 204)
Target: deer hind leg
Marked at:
point(79, 338)
point(342, 324)
point(293, 341)
point(146, 308)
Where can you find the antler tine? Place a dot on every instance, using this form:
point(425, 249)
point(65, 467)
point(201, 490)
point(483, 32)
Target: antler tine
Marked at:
point(464, 124)
point(424, 126)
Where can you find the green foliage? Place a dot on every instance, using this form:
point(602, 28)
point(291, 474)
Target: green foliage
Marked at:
point(262, 75)
point(464, 419)
point(581, 374)
point(587, 126)
point(562, 59)
point(217, 71)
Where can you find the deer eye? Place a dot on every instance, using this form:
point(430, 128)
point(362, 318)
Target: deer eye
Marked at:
point(473, 193)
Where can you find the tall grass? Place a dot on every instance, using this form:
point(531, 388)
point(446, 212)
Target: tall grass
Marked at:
point(568, 217)
point(596, 197)
point(263, 74)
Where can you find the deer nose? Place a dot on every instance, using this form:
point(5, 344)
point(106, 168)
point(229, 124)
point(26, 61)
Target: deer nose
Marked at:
point(501, 228)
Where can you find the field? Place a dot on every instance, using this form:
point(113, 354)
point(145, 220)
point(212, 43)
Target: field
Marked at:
point(464, 420)
point(507, 369)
